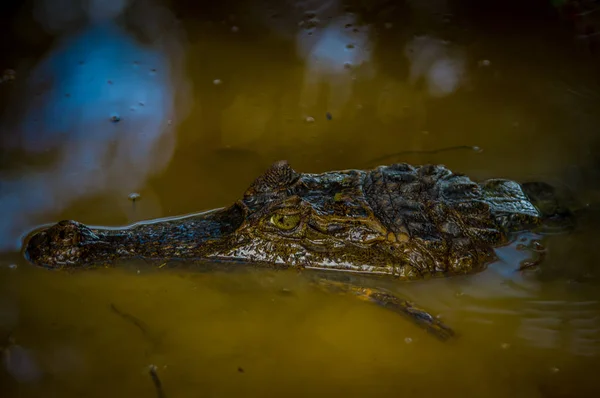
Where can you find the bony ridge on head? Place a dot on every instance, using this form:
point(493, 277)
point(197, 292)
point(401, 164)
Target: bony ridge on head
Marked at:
point(278, 176)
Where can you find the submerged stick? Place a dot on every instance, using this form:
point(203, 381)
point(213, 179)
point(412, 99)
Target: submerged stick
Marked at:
point(130, 318)
point(421, 152)
point(144, 329)
point(156, 381)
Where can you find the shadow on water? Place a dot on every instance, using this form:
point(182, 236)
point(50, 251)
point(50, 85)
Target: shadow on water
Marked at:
point(185, 104)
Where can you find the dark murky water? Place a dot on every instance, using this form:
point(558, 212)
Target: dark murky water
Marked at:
point(187, 109)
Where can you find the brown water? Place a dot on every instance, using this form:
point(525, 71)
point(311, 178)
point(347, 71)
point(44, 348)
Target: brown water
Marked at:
point(197, 116)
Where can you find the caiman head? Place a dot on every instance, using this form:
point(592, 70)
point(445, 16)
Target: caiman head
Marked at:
point(344, 220)
point(306, 220)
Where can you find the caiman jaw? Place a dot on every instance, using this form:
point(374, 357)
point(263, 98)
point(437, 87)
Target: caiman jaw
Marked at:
point(65, 244)
point(72, 244)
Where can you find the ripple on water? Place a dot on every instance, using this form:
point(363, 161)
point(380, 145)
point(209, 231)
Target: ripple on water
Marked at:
point(572, 326)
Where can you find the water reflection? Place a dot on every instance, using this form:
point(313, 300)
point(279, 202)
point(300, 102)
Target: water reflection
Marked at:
point(437, 63)
point(103, 103)
point(58, 15)
point(21, 364)
point(572, 325)
point(520, 335)
point(336, 53)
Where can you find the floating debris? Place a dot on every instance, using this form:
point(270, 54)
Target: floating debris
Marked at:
point(240, 369)
point(310, 119)
point(115, 118)
point(235, 29)
point(134, 196)
point(216, 82)
point(484, 62)
point(505, 346)
point(328, 116)
point(408, 340)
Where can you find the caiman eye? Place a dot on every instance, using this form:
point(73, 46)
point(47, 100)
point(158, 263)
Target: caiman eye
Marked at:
point(285, 221)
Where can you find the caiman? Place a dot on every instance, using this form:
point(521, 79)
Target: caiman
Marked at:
point(399, 221)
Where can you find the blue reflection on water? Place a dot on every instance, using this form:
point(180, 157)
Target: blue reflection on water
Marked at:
point(334, 56)
point(101, 73)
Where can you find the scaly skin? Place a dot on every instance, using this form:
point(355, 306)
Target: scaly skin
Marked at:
point(399, 220)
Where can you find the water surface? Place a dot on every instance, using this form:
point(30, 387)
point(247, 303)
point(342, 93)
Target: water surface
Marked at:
point(187, 114)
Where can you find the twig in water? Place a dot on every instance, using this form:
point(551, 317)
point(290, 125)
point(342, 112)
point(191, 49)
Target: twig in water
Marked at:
point(130, 318)
point(149, 334)
point(420, 152)
point(154, 376)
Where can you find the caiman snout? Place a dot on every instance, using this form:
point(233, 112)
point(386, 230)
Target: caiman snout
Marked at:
point(63, 244)
point(74, 245)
